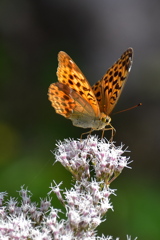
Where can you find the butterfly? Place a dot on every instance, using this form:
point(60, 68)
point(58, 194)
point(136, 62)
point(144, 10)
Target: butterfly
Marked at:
point(86, 106)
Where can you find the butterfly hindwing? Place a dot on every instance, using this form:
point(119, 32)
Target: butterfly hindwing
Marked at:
point(69, 104)
point(60, 99)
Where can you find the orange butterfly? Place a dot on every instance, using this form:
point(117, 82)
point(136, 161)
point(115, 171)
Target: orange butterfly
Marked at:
point(86, 106)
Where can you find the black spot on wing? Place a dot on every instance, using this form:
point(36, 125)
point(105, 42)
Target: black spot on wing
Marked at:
point(115, 74)
point(98, 94)
point(67, 110)
point(85, 89)
point(110, 90)
point(117, 86)
point(106, 88)
point(114, 82)
point(66, 97)
point(120, 74)
point(111, 79)
point(64, 104)
point(78, 84)
point(81, 93)
point(70, 81)
point(71, 77)
point(123, 78)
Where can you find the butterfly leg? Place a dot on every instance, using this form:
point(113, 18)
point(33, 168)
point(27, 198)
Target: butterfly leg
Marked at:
point(113, 132)
point(87, 133)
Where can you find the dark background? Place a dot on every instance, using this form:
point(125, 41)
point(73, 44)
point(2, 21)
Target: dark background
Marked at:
point(95, 34)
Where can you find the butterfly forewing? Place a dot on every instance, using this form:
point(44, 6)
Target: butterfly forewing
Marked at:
point(109, 88)
point(69, 74)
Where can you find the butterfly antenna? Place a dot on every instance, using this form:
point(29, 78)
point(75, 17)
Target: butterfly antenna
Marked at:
point(139, 104)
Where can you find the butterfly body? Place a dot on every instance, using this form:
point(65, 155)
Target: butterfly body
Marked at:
point(86, 106)
point(95, 123)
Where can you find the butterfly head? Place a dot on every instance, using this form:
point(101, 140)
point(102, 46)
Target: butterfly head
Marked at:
point(104, 120)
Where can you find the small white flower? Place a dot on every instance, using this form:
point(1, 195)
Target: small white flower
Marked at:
point(74, 218)
point(2, 196)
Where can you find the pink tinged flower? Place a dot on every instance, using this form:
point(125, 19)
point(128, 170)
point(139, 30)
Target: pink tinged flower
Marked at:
point(45, 204)
point(74, 218)
point(26, 195)
point(57, 190)
point(3, 213)
point(2, 196)
point(12, 206)
point(25, 208)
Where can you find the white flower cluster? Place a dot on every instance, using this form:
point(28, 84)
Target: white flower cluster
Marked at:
point(24, 220)
point(85, 203)
point(105, 157)
point(94, 164)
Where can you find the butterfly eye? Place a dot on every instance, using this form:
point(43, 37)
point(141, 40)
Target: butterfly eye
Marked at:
point(106, 119)
point(103, 120)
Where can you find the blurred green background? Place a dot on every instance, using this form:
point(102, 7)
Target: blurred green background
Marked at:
point(95, 34)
